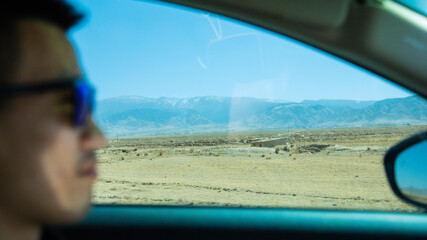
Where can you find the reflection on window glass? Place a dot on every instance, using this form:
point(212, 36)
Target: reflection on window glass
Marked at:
point(417, 5)
point(206, 111)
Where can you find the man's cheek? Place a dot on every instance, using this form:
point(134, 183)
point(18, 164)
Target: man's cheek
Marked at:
point(60, 163)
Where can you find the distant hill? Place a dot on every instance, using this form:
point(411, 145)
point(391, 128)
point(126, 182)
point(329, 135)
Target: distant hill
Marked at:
point(135, 115)
point(340, 103)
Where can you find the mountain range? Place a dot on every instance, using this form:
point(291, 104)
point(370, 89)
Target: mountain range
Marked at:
point(134, 115)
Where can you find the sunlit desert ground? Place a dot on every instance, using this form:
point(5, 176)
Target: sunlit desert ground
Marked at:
point(320, 168)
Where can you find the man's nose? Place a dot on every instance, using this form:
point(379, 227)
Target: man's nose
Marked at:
point(92, 136)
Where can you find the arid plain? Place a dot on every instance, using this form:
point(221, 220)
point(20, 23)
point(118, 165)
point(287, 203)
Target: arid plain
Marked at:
point(315, 168)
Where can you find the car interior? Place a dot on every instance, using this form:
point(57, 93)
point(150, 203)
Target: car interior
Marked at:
point(382, 36)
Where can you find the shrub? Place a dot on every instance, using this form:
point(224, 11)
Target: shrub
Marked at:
point(277, 150)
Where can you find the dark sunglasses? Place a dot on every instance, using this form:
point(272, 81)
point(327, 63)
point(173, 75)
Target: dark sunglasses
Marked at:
point(83, 95)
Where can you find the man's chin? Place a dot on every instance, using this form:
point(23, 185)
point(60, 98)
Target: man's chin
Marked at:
point(71, 215)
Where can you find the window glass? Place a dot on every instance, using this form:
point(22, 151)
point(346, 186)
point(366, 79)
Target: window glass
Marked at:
point(417, 5)
point(202, 110)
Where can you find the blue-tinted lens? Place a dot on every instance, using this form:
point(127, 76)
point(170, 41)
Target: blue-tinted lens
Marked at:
point(84, 101)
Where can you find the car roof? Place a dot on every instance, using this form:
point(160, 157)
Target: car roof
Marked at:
point(382, 36)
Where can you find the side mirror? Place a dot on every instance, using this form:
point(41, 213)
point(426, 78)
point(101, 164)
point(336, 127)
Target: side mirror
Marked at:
point(406, 169)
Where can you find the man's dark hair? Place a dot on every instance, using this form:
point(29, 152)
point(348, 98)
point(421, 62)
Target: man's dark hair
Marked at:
point(57, 12)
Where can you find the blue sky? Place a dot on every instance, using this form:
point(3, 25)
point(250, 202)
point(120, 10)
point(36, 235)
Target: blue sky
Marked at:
point(153, 50)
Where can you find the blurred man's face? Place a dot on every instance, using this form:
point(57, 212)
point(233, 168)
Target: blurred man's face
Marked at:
point(47, 166)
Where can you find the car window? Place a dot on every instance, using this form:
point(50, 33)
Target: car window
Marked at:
point(203, 110)
point(416, 5)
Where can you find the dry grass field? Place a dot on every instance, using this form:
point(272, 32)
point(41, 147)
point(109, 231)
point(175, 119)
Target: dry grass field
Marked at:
point(316, 168)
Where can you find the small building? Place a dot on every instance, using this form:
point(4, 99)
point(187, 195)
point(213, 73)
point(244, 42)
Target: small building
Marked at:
point(271, 142)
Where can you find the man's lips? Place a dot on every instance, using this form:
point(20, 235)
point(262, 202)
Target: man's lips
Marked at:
point(88, 166)
point(89, 169)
